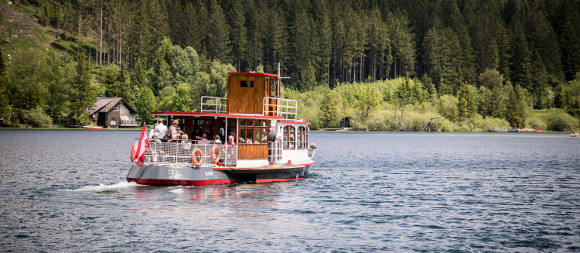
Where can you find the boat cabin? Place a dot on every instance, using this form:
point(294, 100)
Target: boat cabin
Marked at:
point(252, 106)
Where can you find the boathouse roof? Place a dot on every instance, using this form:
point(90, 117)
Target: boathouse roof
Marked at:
point(105, 104)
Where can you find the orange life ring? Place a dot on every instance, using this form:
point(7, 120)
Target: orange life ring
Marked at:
point(215, 154)
point(193, 153)
point(133, 152)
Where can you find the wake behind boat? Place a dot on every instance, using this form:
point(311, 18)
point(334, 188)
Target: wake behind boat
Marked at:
point(265, 141)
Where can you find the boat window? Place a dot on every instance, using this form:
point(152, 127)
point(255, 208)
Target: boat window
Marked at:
point(253, 131)
point(247, 84)
point(302, 137)
point(272, 87)
point(289, 137)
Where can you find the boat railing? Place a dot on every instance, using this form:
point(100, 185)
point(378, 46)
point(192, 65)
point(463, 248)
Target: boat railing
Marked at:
point(214, 104)
point(180, 151)
point(281, 107)
point(275, 152)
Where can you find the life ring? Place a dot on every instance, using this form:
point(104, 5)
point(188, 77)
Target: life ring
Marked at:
point(215, 154)
point(133, 152)
point(193, 153)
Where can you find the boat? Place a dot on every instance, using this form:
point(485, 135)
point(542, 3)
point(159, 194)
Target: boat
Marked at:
point(93, 127)
point(252, 107)
point(574, 135)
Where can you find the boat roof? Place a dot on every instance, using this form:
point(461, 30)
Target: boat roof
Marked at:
point(211, 114)
point(253, 73)
point(294, 122)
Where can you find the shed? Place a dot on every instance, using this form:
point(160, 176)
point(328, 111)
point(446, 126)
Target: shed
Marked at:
point(113, 112)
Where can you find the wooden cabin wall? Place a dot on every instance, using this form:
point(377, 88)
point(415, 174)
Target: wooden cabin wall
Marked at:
point(252, 151)
point(246, 100)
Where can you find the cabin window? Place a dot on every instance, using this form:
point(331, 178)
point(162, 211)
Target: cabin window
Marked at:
point(272, 87)
point(302, 137)
point(253, 131)
point(247, 84)
point(289, 139)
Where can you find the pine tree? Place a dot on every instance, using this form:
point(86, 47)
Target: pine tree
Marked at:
point(82, 91)
point(4, 96)
point(218, 43)
point(238, 35)
point(328, 109)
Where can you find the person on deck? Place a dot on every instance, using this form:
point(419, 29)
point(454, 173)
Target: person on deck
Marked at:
point(196, 134)
point(231, 140)
point(152, 131)
point(217, 140)
point(160, 128)
point(173, 129)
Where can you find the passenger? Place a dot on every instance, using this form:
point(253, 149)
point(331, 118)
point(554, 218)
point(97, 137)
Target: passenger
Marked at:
point(217, 139)
point(160, 128)
point(173, 129)
point(152, 131)
point(185, 141)
point(156, 138)
point(271, 135)
point(196, 134)
point(231, 140)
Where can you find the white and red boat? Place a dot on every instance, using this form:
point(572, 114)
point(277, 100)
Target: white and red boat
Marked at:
point(253, 106)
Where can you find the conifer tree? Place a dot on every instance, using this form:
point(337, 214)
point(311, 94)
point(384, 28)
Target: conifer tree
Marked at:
point(82, 91)
point(4, 96)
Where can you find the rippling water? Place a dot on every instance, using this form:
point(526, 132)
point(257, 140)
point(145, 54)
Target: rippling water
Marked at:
point(64, 190)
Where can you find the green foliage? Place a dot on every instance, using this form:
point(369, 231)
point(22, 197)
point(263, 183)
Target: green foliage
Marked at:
point(82, 91)
point(448, 106)
point(562, 121)
point(329, 109)
point(181, 98)
point(517, 108)
point(36, 118)
point(4, 96)
point(571, 96)
point(448, 44)
point(145, 104)
point(26, 82)
point(490, 79)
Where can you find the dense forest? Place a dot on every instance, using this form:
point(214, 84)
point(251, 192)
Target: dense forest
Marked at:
point(387, 65)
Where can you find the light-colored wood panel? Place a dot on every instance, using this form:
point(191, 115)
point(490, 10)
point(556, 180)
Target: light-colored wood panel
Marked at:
point(253, 151)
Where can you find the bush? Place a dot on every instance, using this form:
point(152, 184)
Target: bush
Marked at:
point(36, 118)
point(487, 124)
point(561, 121)
point(536, 122)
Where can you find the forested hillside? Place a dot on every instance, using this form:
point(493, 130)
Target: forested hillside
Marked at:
point(389, 65)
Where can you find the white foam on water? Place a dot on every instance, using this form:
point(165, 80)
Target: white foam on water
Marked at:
point(177, 191)
point(104, 187)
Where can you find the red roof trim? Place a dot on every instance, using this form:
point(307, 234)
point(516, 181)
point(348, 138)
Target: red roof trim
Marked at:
point(211, 114)
point(294, 122)
point(254, 74)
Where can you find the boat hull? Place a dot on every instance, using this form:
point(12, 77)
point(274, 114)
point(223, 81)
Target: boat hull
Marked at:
point(185, 174)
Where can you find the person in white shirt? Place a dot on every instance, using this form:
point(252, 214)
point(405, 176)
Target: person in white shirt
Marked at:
point(160, 128)
point(152, 131)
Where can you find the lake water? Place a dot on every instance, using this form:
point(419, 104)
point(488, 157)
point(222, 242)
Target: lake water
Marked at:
point(65, 190)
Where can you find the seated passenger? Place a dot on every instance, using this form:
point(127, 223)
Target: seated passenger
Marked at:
point(186, 143)
point(231, 140)
point(217, 140)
